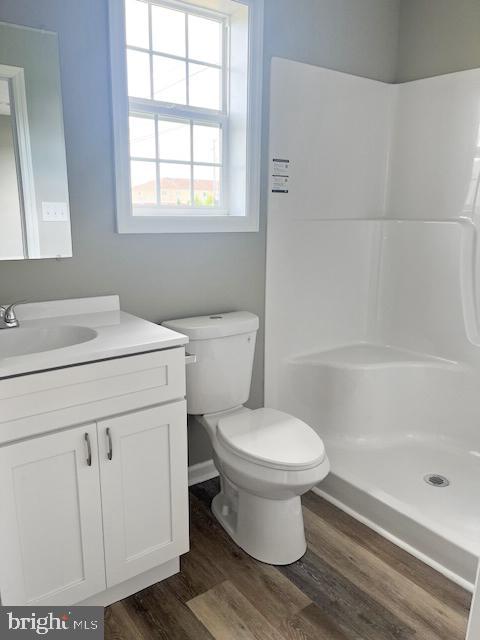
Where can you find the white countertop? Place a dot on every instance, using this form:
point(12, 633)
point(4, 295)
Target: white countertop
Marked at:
point(118, 334)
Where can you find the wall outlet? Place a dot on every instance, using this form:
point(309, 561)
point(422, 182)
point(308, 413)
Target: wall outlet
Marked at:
point(55, 212)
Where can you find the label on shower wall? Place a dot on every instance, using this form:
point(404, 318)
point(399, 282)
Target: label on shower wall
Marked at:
point(280, 175)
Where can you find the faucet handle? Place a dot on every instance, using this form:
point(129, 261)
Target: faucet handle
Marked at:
point(9, 311)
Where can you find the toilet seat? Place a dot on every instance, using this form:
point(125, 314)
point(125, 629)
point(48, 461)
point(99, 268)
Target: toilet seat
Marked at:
point(271, 439)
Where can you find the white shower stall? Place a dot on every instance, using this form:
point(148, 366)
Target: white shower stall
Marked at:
point(372, 327)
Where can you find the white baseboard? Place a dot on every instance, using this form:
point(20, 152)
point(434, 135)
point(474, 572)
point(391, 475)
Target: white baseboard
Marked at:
point(200, 472)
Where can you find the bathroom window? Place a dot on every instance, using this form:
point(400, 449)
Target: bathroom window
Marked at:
point(186, 85)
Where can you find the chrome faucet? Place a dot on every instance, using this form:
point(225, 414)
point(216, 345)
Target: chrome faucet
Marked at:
point(8, 319)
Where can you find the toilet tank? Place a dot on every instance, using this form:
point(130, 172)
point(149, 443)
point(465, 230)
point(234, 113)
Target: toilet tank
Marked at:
point(224, 344)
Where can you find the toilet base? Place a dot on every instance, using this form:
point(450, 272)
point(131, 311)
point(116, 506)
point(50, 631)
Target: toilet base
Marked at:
point(271, 531)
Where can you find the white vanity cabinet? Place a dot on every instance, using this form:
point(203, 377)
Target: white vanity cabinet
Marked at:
point(142, 472)
point(51, 520)
point(93, 480)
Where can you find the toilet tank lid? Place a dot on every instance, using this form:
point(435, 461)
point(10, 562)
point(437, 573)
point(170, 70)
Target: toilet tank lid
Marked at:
point(218, 325)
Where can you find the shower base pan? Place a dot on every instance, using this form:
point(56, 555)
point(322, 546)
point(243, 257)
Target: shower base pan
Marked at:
point(391, 489)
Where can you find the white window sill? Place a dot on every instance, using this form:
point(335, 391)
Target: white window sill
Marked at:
point(186, 224)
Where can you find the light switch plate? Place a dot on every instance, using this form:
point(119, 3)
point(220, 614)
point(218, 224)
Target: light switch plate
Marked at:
point(55, 211)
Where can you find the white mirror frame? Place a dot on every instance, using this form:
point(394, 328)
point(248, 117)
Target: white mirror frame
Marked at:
point(16, 79)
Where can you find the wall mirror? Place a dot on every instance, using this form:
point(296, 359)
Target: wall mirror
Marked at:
point(34, 203)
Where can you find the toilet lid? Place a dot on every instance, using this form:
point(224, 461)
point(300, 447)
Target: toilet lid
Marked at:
point(272, 438)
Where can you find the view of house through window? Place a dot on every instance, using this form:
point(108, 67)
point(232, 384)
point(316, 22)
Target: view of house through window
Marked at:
point(178, 121)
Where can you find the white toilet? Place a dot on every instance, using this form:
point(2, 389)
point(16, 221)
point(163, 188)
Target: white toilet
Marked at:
point(266, 459)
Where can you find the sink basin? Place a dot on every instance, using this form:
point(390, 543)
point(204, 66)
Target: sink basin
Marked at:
point(23, 341)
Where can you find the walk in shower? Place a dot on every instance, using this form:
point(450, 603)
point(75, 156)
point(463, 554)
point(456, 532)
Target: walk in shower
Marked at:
point(372, 329)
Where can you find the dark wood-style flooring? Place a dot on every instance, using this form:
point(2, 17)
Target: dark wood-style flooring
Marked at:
point(352, 584)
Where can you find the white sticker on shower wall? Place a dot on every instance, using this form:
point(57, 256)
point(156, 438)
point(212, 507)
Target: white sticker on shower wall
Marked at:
point(280, 175)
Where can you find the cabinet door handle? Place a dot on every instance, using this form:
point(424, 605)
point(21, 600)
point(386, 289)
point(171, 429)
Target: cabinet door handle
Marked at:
point(89, 450)
point(110, 445)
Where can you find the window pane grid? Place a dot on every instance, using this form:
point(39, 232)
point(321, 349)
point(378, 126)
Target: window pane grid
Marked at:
point(209, 66)
point(157, 166)
point(180, 175)
point(173, 161)
point(187, 67)
point(172, 180)
point(174, 57)
point(191, 147)
point(142, 72)
point(150, 59)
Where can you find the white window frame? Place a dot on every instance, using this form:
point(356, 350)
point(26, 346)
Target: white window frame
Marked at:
point(232, 216)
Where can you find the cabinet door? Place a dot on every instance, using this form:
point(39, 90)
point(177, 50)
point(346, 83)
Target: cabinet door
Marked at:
point(144, 482)
point(51, 546)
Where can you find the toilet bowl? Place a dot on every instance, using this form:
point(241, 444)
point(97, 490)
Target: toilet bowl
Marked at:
point(266, 458)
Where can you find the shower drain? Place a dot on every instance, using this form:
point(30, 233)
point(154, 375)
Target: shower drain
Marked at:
point(436, 480)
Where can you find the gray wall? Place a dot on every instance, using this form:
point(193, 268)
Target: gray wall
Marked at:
point(437, 37)
point(167, 276)
point(355, 36)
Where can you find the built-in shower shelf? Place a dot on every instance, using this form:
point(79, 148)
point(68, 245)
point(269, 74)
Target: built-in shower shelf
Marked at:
point(367, 355)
